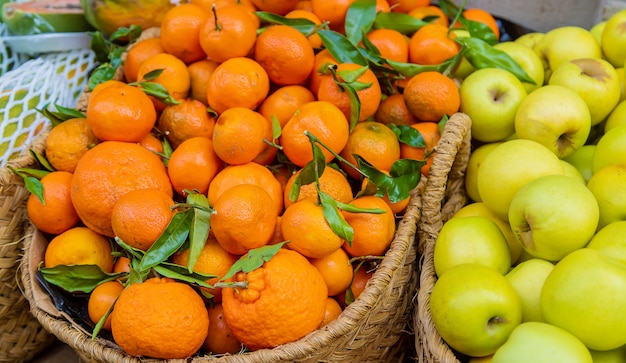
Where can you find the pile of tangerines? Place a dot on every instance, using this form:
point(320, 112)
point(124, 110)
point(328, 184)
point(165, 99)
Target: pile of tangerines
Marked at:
point(250, 205)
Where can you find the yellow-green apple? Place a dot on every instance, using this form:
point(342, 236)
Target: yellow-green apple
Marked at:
point(596, 30)
point(490, 97)
point(471, 173)
point(595, 80)
point(581, 159)
point(527, 279)
point(539, 342)
point(510, 166)
point(527, 59)
point(465, 68)
point(553, 215)
point(614, 39)
point(474, 308)
point(474, 239)
point(480, 209)
point(556, 117)
point(617, 117)
point(608, 185)
point(584, 294)
point(570, 170)
point(610, 149)
point(617, 355)
point(486, 359)
point(529, 40)
point(621, 74)
point(611, 241)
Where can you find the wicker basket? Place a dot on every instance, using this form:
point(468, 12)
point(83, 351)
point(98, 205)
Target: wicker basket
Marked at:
point(444, 194)
point(21, 335)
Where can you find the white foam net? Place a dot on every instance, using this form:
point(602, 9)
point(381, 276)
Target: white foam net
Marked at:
point(8, 59)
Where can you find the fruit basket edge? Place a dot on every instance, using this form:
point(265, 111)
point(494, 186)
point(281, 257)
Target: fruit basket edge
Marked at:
point(444, 194)
point(376, 327)
point(21, 335)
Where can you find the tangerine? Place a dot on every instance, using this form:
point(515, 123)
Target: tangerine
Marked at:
point(56, 214)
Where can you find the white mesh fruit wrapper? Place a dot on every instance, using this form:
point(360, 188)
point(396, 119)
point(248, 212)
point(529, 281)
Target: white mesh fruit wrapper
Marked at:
point(74, 66)
point(23, 91)
point(8, 59)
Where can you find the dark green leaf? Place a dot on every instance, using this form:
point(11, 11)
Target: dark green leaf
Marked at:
point(100, 46)
point(341, 48)
point(41, 160)
point(352, 209)
point(123, 33)
point(403, 177)
point(479, 30)
point(178, 275)
point(135, 253)
point(34, 186)
point(253, 259)
point(404, 23)
point(169, 241)
point(355, 104)
point(304, 26)
point(150, 76)
point(310, 173)
point(200, 225)
point(77, 278)
point(408, 135)
point(36, 173)
point(359, 18)
point(276, 128)
point(411, 69)
point(158, 91)
point(351, 75)
point(335, 219)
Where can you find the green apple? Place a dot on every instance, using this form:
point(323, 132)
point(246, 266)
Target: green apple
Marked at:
point(584, 294)
point(556, 117)
point(617, 117)
point(490, 97)
point(553, 215)
point(614, 39)
point(527, 59)
point(529, 39)
point(486, 359)
point(572, 171)
point(611, 241)
point(581, 159)
point(527, 279)
point(474, 308)
point(539, 342)
point(471, 173)
point(480, 209)
point(596, 30)
point(608, 186)
point(610, 149)
point(617, 355)
point(510, 166)
point(473, 239)
point(594, 80)
point(565, 43)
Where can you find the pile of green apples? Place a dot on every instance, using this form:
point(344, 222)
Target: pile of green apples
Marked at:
point(533, 268)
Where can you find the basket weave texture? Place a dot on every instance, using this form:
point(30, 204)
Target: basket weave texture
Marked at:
point(443, 196)
point(21, 335)
point(374, 328)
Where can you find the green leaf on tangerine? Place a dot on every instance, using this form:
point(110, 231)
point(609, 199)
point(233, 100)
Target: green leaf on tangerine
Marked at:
point(253, 259)
point(77, 278)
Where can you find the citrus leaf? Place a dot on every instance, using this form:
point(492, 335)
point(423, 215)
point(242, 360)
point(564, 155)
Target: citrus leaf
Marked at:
point(355, 104)
point(77, 278)
point(404, 23)
point(479, 30)
point(359, 18)
point(304, 26)
point(253, 259)
point(169, 241)
point(34, 186)
point(404, 175)
point(411, 69)
point(158, 91)
point(351, 75)
point(177, 275)
point(135, 253)
point(408, 135)
point(309, 173)
point(335, 219)
point(353, 209)
point(41, 160)
point(200, 226)
point(341, 48)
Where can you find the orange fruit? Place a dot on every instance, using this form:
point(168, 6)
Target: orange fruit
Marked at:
point(239, 134)
point(79, 246)
point(333, 12)
point(323, 120)
point(391, 44)
point(120, 113)
point(374, 142)
point(284, 301)
point(284, 102)
point(432, 45)
point(220, 339)
point(108, 171)
point(280, 7)
point(483, 16)
point(141, 328)
point(57, 213)
point(249, 173)
point(285, 53)
point(321, 60)
point(193, 164)
point(101, 299)
point(213, 259)
point(139, 52)
point(314, 38)
point(304, 5)
point(140, 216)
point(304, 225)
point(122, 264)
point(430, 11)
point(362, 275)
point(332, 182)
point(431, 135)
point(396, 207)
point(431, 95)
point(185, 120)
point(333, 310)
point(228, 33)
point(382, 6)
point(152, 143)
point(237, 82)
point(369, 97)
point(373, 233)
point(180, 32)
point(393, 110)
point(404, 6)
point(174, 77)
point(336, 270)
point(244, 218)
point(67, 142)
point(199, 74)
